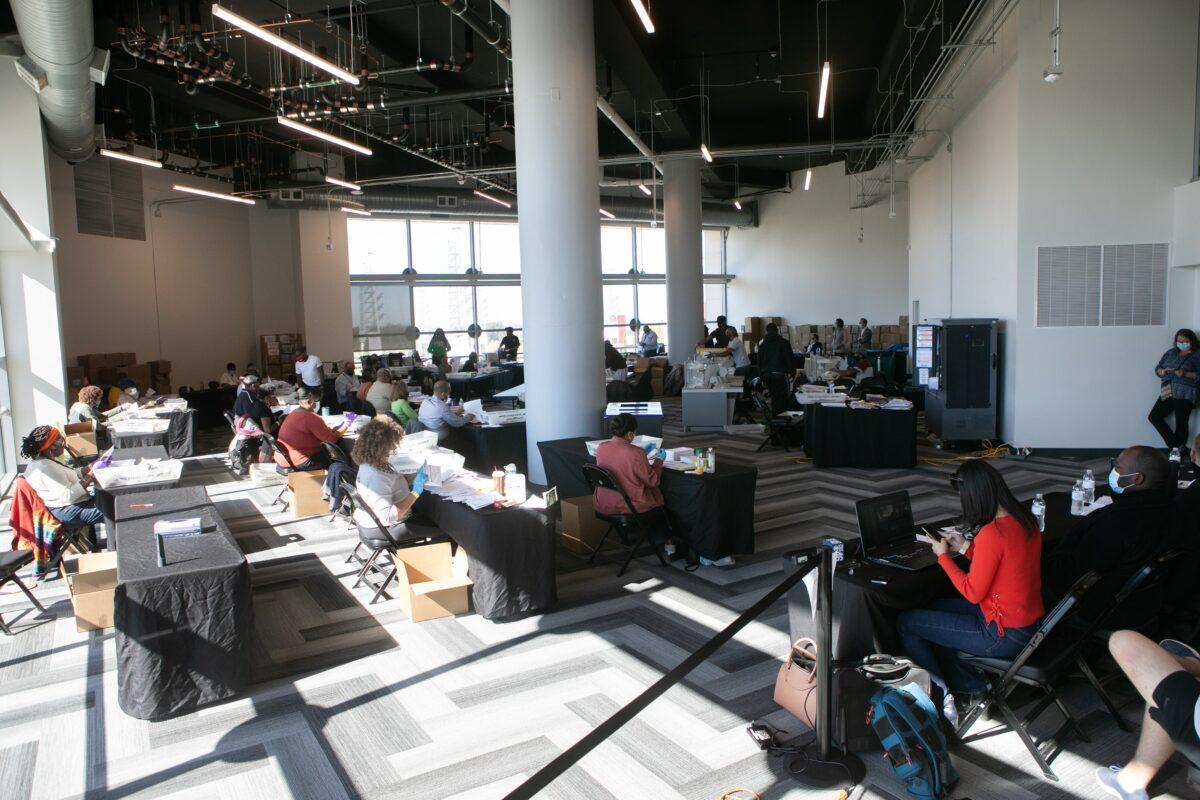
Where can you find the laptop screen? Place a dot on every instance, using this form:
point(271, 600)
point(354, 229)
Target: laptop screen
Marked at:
point(884, 520)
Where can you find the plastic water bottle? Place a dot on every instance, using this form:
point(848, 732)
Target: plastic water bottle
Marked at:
point(1089, 487)
point(1077, 499)
point(711, 460)
point(1039, 511)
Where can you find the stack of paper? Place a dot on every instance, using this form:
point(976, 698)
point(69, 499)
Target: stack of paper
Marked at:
point(126, 472)
point(898, 404)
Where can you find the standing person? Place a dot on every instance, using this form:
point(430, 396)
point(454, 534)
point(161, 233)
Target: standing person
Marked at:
point(346, 384)
point(1177, 369)
point(308, 369)
point(437, 415)
point(62, 489)
point(509, 346)
point(776, 366)
point(719, 337)
point(229, 377)
point(837, 339)
point(1001, 600)
point(865, 334)
point(648, 342)
point(439, 345)
point(302, 432)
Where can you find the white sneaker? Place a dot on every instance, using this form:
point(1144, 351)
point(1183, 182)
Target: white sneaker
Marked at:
point(1107, 778)
point(727, 561)
point(950, 710)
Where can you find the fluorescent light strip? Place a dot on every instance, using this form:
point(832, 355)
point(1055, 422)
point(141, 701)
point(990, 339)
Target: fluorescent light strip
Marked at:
point(145, 162)
point(215, 195)
point(320, 134)
point(358, 211)
point(704, 152)
point(608, 214)
point(344, 184)
point(495, 200)
point(283, 44)
point(645, 189)
point(643, 15)
point(807, 178)
point(737, 204)
point(824, 91)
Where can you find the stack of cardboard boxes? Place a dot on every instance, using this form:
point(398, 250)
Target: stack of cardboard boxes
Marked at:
point(106, 368)
point(658, 369)
point(277, 353)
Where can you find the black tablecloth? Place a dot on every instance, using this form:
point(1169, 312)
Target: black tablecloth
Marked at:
point(510, 554)
point(714, 511)
point(106, 498)
point(209, 405)
point(178, 437)
point(487, 448)
point(183, 629)
point(472, 387)
point(860, 437)
point(865, 612)
point(514, 369)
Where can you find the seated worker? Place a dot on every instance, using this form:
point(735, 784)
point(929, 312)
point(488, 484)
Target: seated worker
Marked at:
point(400, 407)
point(87, 407)
point(648, 342)
point(62, 489)
point(125, 393)
point(346, 383)
point(256, 416)
point(858, 368)
point(1167, 676)
point(247, 395)
point(380, 393)
point(381, 488)
point(437, 415)
point(735, 349)
point(471, 364)
point(302, 431)
point(614, 360)
point(1001, 600)
point(364, 386)
point(638, 477)
point(229, 377)
point(813, 348)
point(248, 382)
point(416, 358)
point(719, 337)
point(309, 370)
point(1117, 540)
point(509, 346)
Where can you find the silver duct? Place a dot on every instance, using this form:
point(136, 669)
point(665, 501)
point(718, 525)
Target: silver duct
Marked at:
point(465, 203)
point(59, 42)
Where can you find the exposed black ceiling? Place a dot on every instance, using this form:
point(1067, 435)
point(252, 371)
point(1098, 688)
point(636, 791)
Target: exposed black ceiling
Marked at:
point(739, 75)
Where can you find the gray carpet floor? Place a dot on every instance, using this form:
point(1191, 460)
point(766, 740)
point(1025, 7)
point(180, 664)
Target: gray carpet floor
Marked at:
point(356, 701)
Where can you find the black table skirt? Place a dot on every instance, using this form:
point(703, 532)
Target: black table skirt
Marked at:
point(106, 498)
point(487, 448)
point(178, 438)
point(477, 386)
point(183, 630)
point(865, 613)
point(209, 405)
point(510, 554)
point(856, 437)
point(714, 512)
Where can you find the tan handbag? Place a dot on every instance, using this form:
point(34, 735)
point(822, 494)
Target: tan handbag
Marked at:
point(796, 683)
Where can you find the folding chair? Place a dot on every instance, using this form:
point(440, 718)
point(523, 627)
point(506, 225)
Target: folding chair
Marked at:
point(10, 562)
point(338, 456)
point(600, 478)
point(379, 540)
point(232, 422)
point(1045, 659)
point(774, 426)
point(284, 471)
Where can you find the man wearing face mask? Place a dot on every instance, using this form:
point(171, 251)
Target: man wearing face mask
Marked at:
point(1119, 539)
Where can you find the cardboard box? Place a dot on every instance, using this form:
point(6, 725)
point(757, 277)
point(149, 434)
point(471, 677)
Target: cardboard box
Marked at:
point(641, 364)
point(141, 374)
point(579, 522)
point(161, 383)
point(304, 489)
point(75, 378)
point(432, 584)
point(91, 579)
point(753, 325)
point(81, 438)
point(160, 367)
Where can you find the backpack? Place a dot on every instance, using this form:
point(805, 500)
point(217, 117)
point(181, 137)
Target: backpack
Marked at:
point(906, 723)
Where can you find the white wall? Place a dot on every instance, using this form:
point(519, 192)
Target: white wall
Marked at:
point(325, 283)
point(804, 261)
point(1101, 152)
point(277, 297)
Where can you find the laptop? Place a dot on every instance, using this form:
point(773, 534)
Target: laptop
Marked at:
point(887, 531)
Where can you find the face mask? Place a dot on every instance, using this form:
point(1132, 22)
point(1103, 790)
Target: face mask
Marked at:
point(1114, 477)
point(1184, 345)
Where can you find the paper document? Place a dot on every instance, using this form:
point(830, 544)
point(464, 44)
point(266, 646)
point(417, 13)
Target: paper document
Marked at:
point(475, 409)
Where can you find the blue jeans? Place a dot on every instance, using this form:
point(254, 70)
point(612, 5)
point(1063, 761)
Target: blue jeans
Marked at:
point(932, 637)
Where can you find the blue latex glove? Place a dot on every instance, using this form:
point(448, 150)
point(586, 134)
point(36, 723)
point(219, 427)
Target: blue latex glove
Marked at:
point(418, 484)
point(660, 454)
point(648, 447)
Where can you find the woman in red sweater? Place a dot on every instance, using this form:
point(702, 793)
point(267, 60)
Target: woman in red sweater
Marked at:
point(1001, 600)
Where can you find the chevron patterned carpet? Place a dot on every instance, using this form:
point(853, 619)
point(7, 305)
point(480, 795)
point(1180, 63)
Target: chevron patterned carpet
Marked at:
point(351, 701)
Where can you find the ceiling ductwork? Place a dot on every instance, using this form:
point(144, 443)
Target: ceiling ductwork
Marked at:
point(465, 203)
point(60, 64)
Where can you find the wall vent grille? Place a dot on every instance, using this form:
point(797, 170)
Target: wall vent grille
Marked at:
point(108, 199)
point(1101, 285)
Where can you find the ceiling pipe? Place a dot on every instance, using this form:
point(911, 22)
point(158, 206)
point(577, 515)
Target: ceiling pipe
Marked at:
point(607, 110)
point(492, 33)
point(59, 41)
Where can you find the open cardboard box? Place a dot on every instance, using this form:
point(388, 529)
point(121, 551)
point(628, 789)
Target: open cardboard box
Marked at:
point(305, 489)
point(81, 438)
point(432, 583)
point(91, 579)
point(581, 530)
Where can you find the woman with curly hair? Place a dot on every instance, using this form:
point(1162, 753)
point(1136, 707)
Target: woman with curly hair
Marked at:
point(62, 489)
point(381, 488)
point(87, 407)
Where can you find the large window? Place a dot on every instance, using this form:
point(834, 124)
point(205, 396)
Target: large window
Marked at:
point(467, 281)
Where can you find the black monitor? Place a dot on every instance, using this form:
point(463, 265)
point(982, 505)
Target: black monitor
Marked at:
point(884, 521)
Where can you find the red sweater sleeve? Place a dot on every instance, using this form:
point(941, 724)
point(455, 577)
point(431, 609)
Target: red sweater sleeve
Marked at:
point(986, 553)
point(317, 427)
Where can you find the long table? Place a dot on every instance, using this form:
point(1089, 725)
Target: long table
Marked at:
point(183, 629)
point(178, 438)
point(487, 448)
point(860, 437)
point(714, 512)
point(106, 498)
point(866, 604)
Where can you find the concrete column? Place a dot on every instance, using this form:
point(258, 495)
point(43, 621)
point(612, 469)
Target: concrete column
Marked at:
point(685, 285)
point(554, 91)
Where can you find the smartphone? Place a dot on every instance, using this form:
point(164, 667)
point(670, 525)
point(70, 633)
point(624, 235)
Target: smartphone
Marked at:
point(933, 533)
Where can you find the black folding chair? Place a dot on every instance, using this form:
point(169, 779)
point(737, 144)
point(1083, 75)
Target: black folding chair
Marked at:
point(379, 540)
point(775, 427)
point(623, 524)
point(10, 562)
point(284, 471)
point(232, 422)
point(1043, 661)
point(338, 456)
